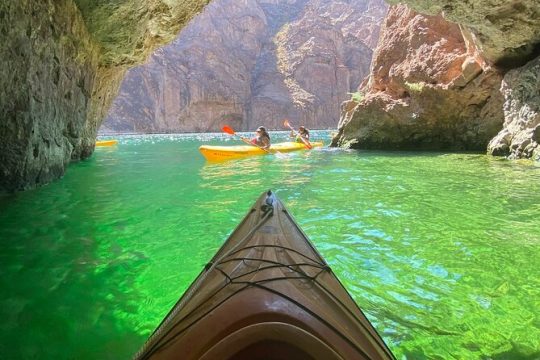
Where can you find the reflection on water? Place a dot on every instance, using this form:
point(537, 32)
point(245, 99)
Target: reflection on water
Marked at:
point(254, 172)
point(440, 250)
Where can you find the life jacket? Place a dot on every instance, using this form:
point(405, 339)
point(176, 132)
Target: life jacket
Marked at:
point(262, 140)
point(299, 136)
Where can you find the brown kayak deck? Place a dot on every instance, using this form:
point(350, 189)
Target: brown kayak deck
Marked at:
point(266, 294)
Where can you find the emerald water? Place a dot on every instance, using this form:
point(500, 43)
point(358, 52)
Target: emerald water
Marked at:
point(441, 251)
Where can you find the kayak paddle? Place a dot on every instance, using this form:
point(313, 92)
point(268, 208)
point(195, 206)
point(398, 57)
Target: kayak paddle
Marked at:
point(305, 141)
point(230, 131)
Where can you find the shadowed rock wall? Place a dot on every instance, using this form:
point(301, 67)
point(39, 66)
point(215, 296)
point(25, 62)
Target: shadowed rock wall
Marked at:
point(48, 76)
point(62, 65)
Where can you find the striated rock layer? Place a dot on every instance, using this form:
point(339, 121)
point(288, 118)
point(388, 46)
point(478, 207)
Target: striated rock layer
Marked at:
point(62, 65)
point(428, 89)
point(258, 62)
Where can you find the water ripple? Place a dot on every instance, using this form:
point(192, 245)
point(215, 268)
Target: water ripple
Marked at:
point(440, 250)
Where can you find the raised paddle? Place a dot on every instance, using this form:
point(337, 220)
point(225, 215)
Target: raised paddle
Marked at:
point(305, 141)
point(230, 131)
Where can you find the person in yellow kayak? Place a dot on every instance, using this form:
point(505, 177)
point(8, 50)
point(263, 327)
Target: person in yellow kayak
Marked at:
point(303, 133)
point(261, 139)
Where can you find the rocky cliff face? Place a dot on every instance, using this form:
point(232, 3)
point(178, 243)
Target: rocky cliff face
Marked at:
point(62, 65)
point(520, 137)
point(498, 35)
point(258, 62)
point(506, 33)
point(49, 70)
point(426, 90)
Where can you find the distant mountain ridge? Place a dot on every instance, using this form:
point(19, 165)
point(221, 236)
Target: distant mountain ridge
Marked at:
point(252, 63)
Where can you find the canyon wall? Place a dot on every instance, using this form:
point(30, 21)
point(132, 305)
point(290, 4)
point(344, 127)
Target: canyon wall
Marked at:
point(62, 65)
point(426, 90)
point(63, 62)
point(444, 91)
point(258, 62)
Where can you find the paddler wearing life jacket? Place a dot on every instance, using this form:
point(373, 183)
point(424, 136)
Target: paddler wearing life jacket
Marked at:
point(262, 138)
point(302, 133)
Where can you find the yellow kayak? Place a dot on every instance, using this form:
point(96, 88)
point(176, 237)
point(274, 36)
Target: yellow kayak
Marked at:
point(106, 142)
point(220, 153)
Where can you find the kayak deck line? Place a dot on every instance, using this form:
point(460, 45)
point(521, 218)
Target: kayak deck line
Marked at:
point(222, 153)
point(267, 291)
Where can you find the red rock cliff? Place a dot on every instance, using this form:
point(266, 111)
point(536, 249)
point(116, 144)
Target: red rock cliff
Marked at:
point(428, 89)
point(430, 110)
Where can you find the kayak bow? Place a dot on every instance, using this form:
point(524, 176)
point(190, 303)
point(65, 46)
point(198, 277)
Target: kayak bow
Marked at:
point(267, 293)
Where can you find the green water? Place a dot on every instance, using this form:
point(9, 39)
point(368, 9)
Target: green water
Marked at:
point(440, 250)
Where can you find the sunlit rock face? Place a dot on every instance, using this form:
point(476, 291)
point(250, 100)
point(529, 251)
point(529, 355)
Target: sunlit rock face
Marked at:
point(62, 65)
point(507, 33)
point(521, 134)
point(257, 63)
point(428, 89)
